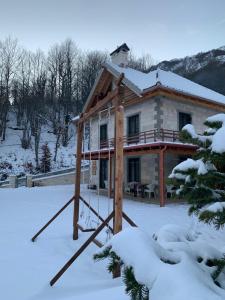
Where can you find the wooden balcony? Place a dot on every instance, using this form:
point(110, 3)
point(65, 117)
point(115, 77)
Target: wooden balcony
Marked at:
point(145, 137)
point(146, 142)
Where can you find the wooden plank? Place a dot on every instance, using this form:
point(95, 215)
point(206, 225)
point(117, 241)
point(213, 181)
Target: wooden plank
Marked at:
point(52, 219)
point(125, 216)
point(77, 180)
point(81, 249)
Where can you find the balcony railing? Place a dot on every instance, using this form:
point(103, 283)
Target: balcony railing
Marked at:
point(145, 137)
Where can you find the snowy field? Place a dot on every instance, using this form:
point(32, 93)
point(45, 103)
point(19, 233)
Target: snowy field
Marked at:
point(26, 268)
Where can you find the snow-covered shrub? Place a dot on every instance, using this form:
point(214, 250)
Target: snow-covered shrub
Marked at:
point(171, 265)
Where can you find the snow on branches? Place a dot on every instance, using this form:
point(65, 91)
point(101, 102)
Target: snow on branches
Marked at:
point(172, 265)
point(201, 180)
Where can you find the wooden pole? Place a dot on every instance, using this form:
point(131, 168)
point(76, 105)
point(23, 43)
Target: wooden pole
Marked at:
point(77, 180)
point(162, 177)
point(118, 176)
point(118, 189)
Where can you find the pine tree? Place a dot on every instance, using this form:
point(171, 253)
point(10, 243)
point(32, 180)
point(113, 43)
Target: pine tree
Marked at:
point(134, 289)
point(46, 159)
point(201, 180)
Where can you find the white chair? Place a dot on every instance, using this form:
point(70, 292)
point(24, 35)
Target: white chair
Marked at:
point(150, 190)
point(170, 191)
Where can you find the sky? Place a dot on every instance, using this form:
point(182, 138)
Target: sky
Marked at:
point(165, 29)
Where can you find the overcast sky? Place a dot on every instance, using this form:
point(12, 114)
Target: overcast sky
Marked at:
point(163, 28)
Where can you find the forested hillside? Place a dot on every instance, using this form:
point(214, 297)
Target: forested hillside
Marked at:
point(39, 94)
point(205, 68)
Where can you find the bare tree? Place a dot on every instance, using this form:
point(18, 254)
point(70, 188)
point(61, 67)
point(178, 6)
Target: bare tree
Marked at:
point(9, 61)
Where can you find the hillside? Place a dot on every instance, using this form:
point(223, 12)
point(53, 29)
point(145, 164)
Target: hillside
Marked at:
point(205, 68)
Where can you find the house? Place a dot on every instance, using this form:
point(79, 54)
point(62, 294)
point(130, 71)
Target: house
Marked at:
point(156, 107)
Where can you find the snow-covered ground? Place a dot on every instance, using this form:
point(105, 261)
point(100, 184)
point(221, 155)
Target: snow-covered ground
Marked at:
point(26, 268)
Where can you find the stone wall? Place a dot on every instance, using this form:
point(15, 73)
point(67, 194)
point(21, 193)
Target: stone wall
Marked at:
point(62, 179)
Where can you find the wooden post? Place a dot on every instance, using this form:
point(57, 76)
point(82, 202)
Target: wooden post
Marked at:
point(161, 178)
point(77, 180)
point(118, 189)
point(118, 176)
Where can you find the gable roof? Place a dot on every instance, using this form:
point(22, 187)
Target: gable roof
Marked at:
point(141, 82)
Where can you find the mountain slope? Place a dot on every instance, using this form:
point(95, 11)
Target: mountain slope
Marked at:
point(205, 68)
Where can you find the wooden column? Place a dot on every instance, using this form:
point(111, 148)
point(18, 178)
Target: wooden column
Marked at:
point(162, 177)
point(118, 185)
point(77, 180)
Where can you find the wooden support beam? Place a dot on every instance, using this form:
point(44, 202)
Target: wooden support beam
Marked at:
point(52, 219)
point(99, 106)
point(77, 180)
point(129, 221)
point(118, 175)
point(118, 189)
point(162, 188)
point(81, 249)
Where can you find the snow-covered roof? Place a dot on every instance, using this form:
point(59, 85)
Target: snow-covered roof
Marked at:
point(141, 82)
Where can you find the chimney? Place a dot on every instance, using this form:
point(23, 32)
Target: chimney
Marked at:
point(119, 56)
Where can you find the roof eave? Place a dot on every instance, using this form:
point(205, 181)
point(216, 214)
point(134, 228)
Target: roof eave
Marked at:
point(163, 87)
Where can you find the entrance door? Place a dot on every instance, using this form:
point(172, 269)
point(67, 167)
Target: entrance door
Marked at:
point(103, 173)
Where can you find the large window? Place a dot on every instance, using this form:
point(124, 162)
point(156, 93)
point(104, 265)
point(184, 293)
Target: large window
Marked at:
point(133, 169)
point(133, 129)
point(184, 119)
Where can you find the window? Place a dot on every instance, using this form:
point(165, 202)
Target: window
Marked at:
point(133, 169)
point(184, 119)
point(133, 129)
point(103, 136)
point(103, 173)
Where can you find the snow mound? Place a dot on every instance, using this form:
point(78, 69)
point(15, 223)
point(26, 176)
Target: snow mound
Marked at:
point(171, 273)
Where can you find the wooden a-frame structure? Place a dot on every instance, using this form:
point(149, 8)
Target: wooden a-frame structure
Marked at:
point(117, 214)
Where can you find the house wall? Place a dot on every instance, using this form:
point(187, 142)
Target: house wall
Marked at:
point(158, 112)
point(170, 109)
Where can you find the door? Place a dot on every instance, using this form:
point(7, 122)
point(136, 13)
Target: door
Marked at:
point(133, 129)
point(103, 173)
